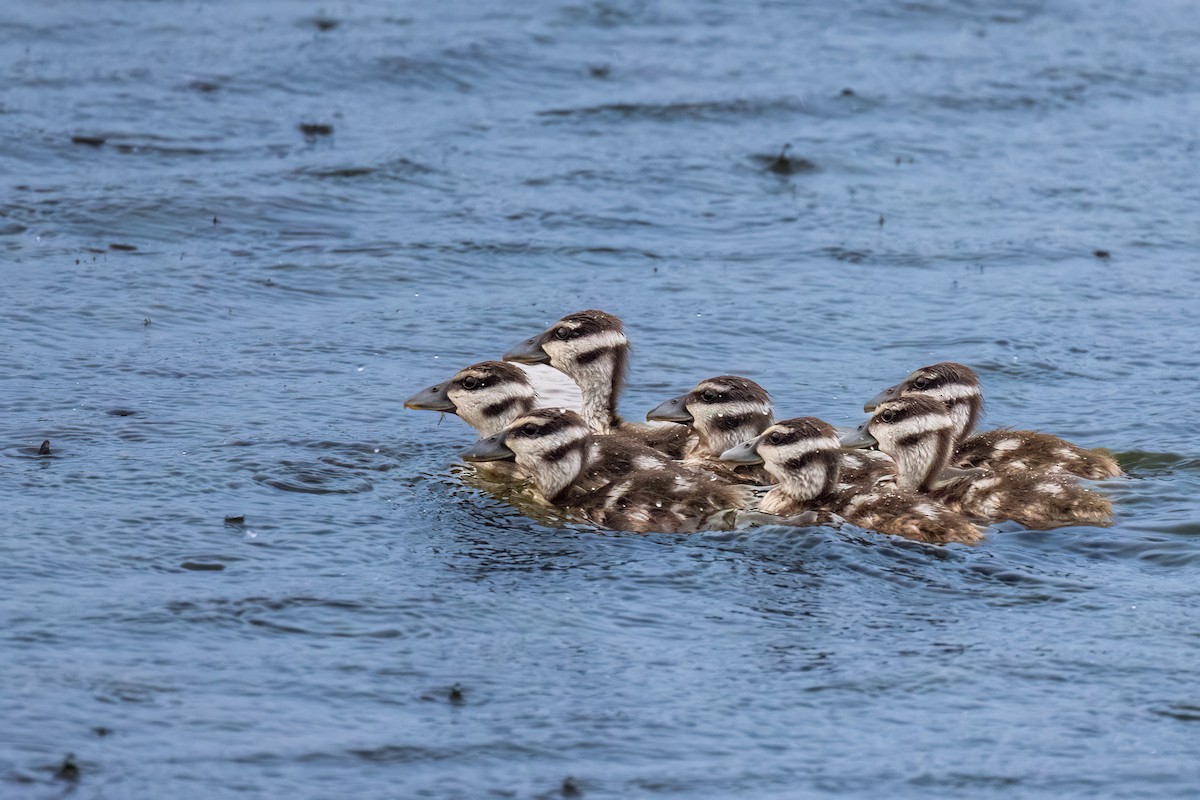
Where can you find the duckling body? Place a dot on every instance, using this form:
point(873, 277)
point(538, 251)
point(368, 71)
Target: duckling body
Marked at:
point(591, 348)
point(806, 459)
point(917, 431)
point(957, 386)
point(613, 482)
point(722, 412)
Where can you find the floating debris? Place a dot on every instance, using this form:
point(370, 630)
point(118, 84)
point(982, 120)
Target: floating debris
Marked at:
point(205, 86)
point(235, 519)
point(68, 770)
point(90, 141)
point(1102, 254)
point(847, 92)
point(570, 788)
point(783, 165)
point(316, 129)
point(456, 694)
point(197, 566)
point(324, 24)
point(101, 731)
point(599, 70)
point(121, 412)
point(44, 450)
point(124, 247)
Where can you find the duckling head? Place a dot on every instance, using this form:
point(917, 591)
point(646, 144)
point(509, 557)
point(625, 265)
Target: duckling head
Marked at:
point(723, 411)
point(917, 431)
point(590, 347)
point(802, 454)
point(550, 444)
point(955, 385)
point(487, 396)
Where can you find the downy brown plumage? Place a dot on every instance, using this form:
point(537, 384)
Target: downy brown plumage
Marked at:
point(592, 349)
point(806, 459)
point(917, 431)
point(1003, 450)
point(613, 482)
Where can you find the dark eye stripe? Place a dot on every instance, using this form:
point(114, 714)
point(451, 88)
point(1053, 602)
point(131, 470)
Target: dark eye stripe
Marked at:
point(501, 406)
point(910, 440)
point(562, 451)
point(733, 422)
point(807, 460)
point(591, 355)
point(548, 427)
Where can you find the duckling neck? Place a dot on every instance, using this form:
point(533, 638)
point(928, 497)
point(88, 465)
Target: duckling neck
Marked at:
point(600, 381)
point(965, 411)
point(920, 460)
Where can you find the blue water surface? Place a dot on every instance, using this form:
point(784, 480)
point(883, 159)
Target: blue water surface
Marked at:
point(235, 236)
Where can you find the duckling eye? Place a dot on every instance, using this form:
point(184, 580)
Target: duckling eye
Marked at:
point(470, 382)
point(562, 333)
point(708, 395)
point(888, 415)
point(529, 429)
point(775, 438)
point(921, 382)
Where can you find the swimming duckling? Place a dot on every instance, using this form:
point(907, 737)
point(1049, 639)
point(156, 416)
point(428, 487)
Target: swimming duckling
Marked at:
point(626, 486)
point(591, 348)
point(722, 412)
point(806, 458)
point(917, 431)
point(1003, 450)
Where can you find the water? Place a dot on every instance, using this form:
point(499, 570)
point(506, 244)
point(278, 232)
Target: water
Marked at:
point(473, 174)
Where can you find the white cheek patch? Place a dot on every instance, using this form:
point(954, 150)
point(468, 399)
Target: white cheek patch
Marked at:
point(953, 391)
point(803, 447)
point(740, 408)
point(594, 341)
point(1006, 445)
point(912, 426)
point(1067, 454)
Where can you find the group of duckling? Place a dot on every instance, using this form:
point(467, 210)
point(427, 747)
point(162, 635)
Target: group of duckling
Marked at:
point(914, 469)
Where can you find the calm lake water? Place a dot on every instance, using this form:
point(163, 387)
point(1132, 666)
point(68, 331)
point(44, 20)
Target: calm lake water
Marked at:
point(235, 236)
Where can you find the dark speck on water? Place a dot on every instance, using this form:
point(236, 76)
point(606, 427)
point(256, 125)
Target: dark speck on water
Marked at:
point(316, 129)
point(495, 166)
point(68, 770)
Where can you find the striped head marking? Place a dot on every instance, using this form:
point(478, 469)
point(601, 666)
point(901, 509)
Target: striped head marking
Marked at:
point(803, 455)
point(727, 410)
point(487, 395)
point(551, 444)
point(490, 395)
point(590, 347)
point(917, 431)
point(955, 385)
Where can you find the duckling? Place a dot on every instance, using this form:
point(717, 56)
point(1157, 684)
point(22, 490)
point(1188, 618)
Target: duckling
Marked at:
point(622, 486)
point(806, 459)
point(487, 396)
point(722, 412)
point(917, 431)
point(592, 349)
point(1004, 450)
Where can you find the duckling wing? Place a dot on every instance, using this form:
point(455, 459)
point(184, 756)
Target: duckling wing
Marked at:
point(1005, 450)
